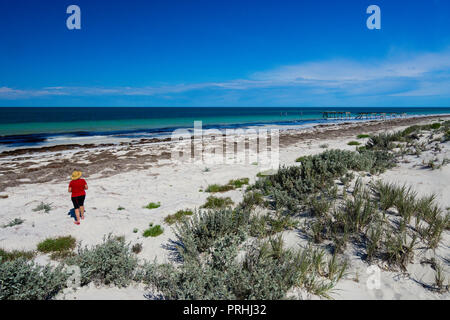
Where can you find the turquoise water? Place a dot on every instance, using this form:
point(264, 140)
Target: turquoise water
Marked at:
point(31, 126)
point(18, 121)
point(136, 124)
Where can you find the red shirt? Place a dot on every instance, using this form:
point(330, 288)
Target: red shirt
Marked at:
point(77, 187)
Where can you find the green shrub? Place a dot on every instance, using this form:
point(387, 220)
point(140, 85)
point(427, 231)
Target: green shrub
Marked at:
point(260, 227)
point(263, 226)
point(267, 272)
point(217, 203)
point(347, 178)
point(12, 223)
point(387, 194)
point(432, 234)
point(214, 188)
point(350, 219)
point(363, 136)
point(193, 280)
point(398, 250)
point(405, 203)
point(23, 280)
point(46, 207)
point(232, 184)
point(440, 279)
point(266, 173)
point(57, 244)
point(446, 136)
point(281, 223)
point(435, 126)
point(408, 131)
point(198, 233)
point(252, 199)
point(357, 213)
point(110, 262)
point(361, 149)
point(178, 216)
point(238, 183)
point(319, 206)
point(353, 143)
point(384, 141)
point(374, 238)
point(405, 200)
point(153, 231)
point(291, 186)
point(153, 205)
point(412, 131)
point(301, 159)
point(16, 254)
point(136, 248)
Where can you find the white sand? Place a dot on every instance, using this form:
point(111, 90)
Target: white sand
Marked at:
point(177, 187)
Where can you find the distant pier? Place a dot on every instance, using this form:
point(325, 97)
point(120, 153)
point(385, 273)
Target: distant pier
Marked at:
point(347, 115)
point(336, 115)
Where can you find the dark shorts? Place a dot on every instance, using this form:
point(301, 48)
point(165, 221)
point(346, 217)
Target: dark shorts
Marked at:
point(78, 201)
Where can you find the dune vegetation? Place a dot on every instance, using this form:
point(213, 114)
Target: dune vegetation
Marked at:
point(236, 251)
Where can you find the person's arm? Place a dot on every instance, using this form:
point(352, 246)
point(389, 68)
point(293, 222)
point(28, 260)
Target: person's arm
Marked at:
point(85, 186)
point(70, 186)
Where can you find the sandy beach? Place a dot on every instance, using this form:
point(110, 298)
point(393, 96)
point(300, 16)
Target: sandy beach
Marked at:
point(224, 158)
point(130, 175)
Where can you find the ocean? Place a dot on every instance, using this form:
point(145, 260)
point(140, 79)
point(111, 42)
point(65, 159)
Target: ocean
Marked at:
point(35, 126)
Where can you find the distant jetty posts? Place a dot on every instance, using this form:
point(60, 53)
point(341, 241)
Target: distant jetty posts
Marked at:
point(346, 115)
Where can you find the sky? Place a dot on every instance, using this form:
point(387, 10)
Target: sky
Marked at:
point(257, 53)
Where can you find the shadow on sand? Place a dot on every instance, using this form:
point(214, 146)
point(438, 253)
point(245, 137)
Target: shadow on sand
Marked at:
point(71, 213)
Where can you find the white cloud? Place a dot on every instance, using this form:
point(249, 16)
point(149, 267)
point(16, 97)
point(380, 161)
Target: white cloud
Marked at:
point(422, 74)
point(348, 70)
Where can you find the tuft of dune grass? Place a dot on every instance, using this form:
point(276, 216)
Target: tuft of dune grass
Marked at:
point(178, 216)
point(153, 205)
point(14, 222)
point(153, 231)
point(59, 245)
point(231, 185)
point(214, 188)
point(217, 203)
point(46, 207)
point(15, 254)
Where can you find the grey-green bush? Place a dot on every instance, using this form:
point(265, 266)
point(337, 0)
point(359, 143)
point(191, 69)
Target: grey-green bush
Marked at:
point(111, 262)
point(291, 186)
point(24, 280)
point(198, 233)
point(266, 272)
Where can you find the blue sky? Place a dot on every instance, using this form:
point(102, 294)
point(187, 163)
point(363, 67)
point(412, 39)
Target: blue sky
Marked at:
point(224, 53)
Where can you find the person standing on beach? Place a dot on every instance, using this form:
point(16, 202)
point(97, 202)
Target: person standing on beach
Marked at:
point(78, 189)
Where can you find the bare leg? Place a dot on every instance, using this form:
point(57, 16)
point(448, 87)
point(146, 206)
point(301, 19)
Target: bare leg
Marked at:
point(82, 212)
point(77, 214)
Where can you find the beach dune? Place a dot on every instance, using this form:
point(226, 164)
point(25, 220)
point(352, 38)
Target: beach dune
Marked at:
point(124, 178)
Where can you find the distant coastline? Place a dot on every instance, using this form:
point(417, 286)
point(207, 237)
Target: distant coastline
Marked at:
point(22, 128)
